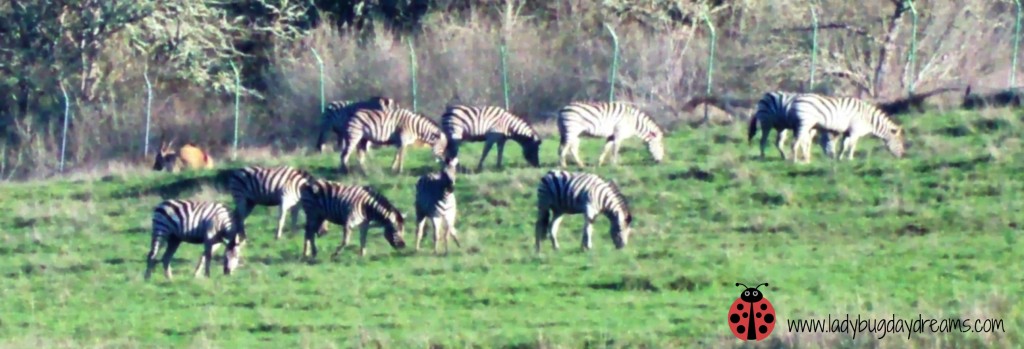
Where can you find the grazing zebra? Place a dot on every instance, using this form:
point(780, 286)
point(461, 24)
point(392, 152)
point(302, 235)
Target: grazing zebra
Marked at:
point(773, 113)
point(493, 125)
point(348, 206)
point(337, 113)
point(562, 192)
point(399, 127)
point(194, 222)
point(847, 116)
point(614, 121)
point(435, 199)
point(266, 186)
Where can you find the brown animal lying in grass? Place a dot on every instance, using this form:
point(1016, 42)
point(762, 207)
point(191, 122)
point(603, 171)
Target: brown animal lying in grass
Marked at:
point(188, 156)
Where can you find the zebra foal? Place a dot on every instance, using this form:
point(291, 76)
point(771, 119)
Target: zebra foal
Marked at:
point(615, 122)
point(195, 222)
point(560, 193)
point(399, 127)
point(350, 207)
point(850, 117)
point(435, 199)
point(266, 186)
point(492, 125)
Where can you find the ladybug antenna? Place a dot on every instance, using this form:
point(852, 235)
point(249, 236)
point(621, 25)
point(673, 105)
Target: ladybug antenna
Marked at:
point(744, 286)
point(759, 286)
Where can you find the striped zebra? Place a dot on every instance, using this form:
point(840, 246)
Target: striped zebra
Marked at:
point(614, 121)
point(773, 113)
point(562, 192)
point(266, 186)
point(846, 116)
point(399, 127)
point(195, 222)
point(348, 206)
point(337, 113)
point(492, 125)
point(435, 199)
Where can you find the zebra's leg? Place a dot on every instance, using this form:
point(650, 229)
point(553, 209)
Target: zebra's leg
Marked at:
point(562, 148)
point(364, 229)
point(438, 237)
point(205, 258)
point(314, 225)
point(347, 232)
point(576, 153)
point(501, 150)
point(615, 153)
point(295, 215)
point(450, 230)
point(588, 232)
point(780, 140)
point(541, 227)
point(488, 143)
point(421, 224)
point(826, 144)
point(399, 159)
point(555, 222)
point(851, 143)
point(347, 148)
point(280, 220)
point(608, 145)
point(172, 246)
point(243, 207)
point(154, 247)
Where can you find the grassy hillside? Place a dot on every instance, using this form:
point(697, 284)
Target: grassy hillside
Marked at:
point(935, 234)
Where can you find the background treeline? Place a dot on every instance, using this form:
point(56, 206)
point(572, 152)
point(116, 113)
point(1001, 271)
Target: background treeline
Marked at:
point(101, 52)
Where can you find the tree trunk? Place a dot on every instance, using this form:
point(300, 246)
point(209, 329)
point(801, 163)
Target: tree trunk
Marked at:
point(890, 45)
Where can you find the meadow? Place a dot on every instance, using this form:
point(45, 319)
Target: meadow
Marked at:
point(932, 234)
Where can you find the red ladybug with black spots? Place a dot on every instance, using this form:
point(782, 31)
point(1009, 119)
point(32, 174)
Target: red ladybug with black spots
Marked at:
point(751, 317)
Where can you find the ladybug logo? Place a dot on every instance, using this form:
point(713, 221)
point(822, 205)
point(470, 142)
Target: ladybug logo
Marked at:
point(751, 317)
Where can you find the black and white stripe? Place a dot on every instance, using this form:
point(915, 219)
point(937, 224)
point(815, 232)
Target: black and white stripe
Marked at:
point(348, 206)
point(266, 186)
point(435, 199)
point(195, 222)
point(773, 113)
point(399, 127)
point(561, 192)
point(493, 125)
point(846, 116)
point(337, 113)
point(615, 122)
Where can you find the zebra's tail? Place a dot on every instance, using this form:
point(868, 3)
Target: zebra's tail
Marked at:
point(752, 129)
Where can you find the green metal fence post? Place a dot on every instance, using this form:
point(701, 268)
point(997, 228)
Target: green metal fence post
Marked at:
point(67, 115)
point(504, 71)
point(412, 66)
point(238, 92)
point(615, 63)
point(814, 46)
point(320, 62)
point(1016, 47)
point(912, 55)
point(149, 109)
point(711, 60)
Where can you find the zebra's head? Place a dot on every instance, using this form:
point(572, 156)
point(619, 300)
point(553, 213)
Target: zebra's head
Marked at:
point(655, 146)
point(531, 151)
point(233, 253)
point(389, 216)
point(393, 230)
point(895, 142)
point(623, 224)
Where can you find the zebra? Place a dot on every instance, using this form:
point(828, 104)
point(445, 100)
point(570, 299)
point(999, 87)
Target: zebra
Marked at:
point(847, 116)
point(349, 206)
point(337, 113)
point(399, 127)
point(561, 192)
point(194, 222)
point(773, 113)
point(493, 125)
point(267, 186)
point(435, 199)
point(614, 121)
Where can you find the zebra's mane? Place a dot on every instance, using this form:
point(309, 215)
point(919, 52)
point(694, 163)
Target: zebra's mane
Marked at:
point(381, 203)
point(622, 198)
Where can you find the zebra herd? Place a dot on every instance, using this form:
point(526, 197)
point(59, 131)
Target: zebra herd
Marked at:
point(381, 121)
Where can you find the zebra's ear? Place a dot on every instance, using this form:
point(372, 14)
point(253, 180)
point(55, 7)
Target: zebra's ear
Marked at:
point(897, 131)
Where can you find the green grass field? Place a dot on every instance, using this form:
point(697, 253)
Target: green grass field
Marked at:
point(934, 234)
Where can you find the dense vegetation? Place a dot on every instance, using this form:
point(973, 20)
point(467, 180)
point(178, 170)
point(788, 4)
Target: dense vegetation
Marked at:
point(934, 234)
point(102, 53)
